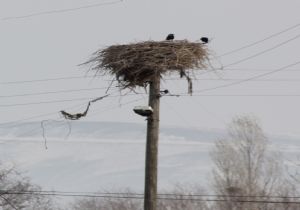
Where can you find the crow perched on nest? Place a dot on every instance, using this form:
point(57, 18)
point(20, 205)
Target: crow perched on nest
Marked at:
point(204, 40)
point(170, 37)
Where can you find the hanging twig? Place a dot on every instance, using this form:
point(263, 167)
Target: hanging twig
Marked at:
point(189, 80)
point(44, 134)
point(77, 116)
point(99, 98)
point(112, 81)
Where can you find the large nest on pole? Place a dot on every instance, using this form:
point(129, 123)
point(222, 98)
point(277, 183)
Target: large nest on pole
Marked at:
point(135, 64)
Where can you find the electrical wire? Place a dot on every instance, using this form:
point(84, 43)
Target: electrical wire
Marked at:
point(250, 78)
point(177, 95)
point(246, 46)
point(241, 95)
point(166, 79)
point(53, 92)
point(250, 69)
point(247, 58)
point(45, 102)
point(177, 197)
point(261, 40)
point(61, 10)
point(11, 123)
point(44, 80)
point(108, 108)
point(55, 101)
point(214, 115)
point(263, 52)
point(141, 194)
point(17, 122)
point(238, 79)
point(102, 88)
point(84, 77)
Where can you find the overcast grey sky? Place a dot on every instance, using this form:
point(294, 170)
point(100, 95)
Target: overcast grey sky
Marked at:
point(52, 46)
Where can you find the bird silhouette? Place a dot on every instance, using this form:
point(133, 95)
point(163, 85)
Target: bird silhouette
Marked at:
point(204, 40)
point(170, 37)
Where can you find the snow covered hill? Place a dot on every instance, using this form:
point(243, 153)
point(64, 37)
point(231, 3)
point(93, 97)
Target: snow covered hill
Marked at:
point(93, 156)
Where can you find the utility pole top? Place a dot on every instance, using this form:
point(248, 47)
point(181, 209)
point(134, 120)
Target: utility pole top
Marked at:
point(143, 64)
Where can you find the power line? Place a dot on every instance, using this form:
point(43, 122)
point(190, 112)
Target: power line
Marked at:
point(16, 122)
point(177, 95)
point(121, 104)
point(242, 95)
point(263, 52)
point(177, 197)
point(61, 10)
point(44, 80)
point(246, 46)
point(45, 102)
point(250, 69)
point(238, 79)
point(102, 88)
point(172, 78)
point(214, 115)
point(141, 194)
point(54, 101)
point(250, 78)
point(53, 92)
point(104, 110)
point(260, 41)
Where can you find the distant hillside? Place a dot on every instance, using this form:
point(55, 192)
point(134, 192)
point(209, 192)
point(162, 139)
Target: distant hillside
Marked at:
point(110, 155)
point(100, 130)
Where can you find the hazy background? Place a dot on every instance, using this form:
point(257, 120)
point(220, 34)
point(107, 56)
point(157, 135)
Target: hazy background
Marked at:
point(40, 50)
point(52, 45)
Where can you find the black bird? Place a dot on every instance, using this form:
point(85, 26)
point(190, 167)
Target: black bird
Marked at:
point(204, 40)
point(170, 37)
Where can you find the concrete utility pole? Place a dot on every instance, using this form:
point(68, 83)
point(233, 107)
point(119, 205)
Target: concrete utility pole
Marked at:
point(150, 195)
point(137, 64)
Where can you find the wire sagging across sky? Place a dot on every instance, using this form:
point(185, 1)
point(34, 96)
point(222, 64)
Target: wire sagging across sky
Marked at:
point(49, 12)
point(260, 41)
point(263, 52)
point(250, 78)
point(175, 197)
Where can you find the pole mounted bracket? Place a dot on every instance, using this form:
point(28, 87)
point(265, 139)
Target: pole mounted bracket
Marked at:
point(145, 111)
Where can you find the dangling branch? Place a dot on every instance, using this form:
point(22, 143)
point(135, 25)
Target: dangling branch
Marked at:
point(189, 80)
point(44, 129)
point(77, 116)
point(99, 98)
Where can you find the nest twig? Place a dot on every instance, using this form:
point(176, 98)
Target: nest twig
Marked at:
point(135, 64)
point(77, 116)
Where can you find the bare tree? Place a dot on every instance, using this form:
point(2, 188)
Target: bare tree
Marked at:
point(183, 197)
point(15, 192)
point(244, 170)
point(246, 176)
point(107, 204)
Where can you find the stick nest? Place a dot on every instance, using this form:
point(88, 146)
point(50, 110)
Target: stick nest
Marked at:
point(135, 64)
